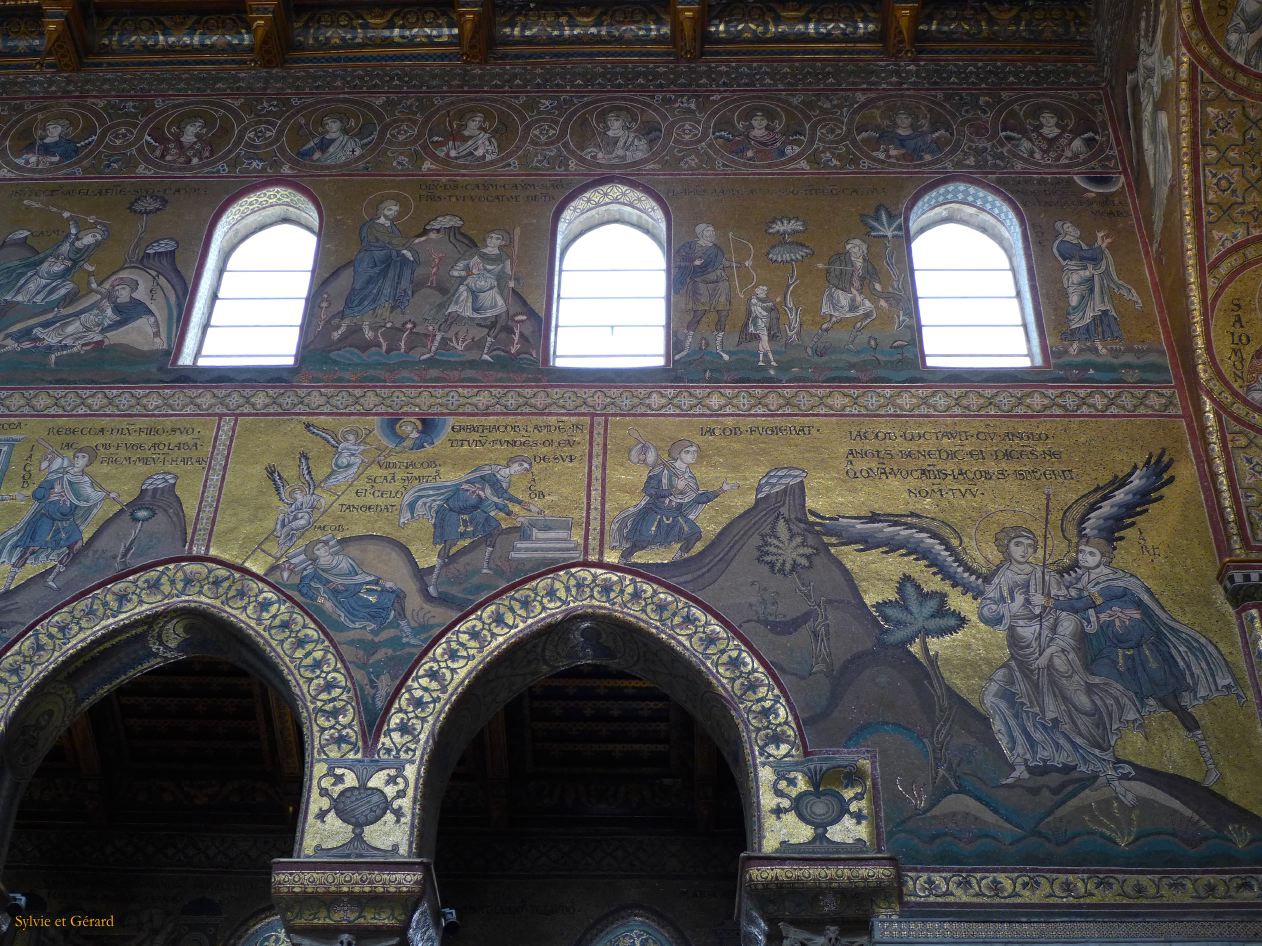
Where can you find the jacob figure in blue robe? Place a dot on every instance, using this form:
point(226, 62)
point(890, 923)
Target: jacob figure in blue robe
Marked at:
point(66, 500)
point(363, 600)
point(672, 501)
point(1133, 640)
point(465, 509)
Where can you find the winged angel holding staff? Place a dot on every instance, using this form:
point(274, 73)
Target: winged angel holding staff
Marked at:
point(1091, 650)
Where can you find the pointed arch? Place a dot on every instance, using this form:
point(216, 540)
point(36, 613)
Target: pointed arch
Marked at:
point(688, 651)
point(633, 925)
point(154, 600)
point(244, 217)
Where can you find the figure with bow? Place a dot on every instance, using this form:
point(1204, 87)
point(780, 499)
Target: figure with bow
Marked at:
point(701, 276)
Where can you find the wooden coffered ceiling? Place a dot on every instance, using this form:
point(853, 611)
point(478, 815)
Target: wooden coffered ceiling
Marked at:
point(71, 35)
point(203, 745)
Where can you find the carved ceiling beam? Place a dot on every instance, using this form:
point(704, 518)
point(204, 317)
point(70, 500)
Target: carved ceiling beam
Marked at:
point(273, 31)
point(687, 27)
point(899, 20)
point(475, 19)
point(66, 37)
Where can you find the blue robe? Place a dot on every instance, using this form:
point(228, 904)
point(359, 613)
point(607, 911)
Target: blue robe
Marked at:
point(53, 525)
point(1135, 641)
point(914, 146)
point(463, 508)
point(42, 152)
point(383, 275)
point(662, 517)
point(360, 597)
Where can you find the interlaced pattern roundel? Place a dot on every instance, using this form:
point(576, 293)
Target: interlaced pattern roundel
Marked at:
point(679, 623)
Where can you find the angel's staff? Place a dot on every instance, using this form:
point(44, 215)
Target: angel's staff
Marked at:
point(517, 318)
point(58, 210)
point(1047, 520)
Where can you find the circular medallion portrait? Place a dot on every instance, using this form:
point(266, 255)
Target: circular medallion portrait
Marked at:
point(615, 133)
point(1046, 132)
point(1236, 336)
point(190, 137)
point(52, 138)
point(332, 134)
point(902, 131)
point(472, 133)
point(759, 133)
point(1230, 35)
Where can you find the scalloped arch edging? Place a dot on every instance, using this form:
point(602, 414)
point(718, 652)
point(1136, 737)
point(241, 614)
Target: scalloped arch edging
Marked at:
point(285, 636)
point(414, 715)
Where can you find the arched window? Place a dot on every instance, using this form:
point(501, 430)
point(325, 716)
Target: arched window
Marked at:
point(610, 306)
point(250, 299)
point(973, 288)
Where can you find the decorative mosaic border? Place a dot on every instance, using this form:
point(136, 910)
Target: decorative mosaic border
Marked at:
point(1070, 888)
point(889, 929)
point(589, 76)
point(1210, 52)
point(1189, 183)
point(892, 402)
point(291, 641)
point(823, 133)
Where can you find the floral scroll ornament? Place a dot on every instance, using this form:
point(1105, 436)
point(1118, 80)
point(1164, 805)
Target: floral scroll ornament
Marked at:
point(361, 805)
point(821, 806)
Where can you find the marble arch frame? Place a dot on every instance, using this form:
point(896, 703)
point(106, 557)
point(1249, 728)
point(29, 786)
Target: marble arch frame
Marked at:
point(699, 643)
point(156, 600)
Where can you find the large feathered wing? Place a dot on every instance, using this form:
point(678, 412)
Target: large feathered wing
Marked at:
point(278, 482)
point(323, 433)
point(1113, 507)
point(304, 467)
point(928, 540)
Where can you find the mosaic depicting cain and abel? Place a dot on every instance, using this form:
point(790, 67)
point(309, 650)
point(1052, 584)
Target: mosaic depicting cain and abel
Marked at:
point(1026, 629)
point(793, 281)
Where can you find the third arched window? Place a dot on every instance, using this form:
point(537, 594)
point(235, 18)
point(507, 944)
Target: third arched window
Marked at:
point(974, 294)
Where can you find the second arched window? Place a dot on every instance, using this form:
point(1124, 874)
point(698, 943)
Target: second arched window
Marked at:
point(610, 306)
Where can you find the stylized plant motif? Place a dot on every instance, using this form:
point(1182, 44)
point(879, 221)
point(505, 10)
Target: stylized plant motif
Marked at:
point(884, 224)
point(145, 206)
point(1240, 835)
point(789, 252)
point(915, 616)
point(786, 551)
point(1119, 828)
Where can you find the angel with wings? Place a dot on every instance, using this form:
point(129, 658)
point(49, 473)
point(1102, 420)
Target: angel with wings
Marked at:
point(300, 504)
point(348, 445)
point(1071, 684)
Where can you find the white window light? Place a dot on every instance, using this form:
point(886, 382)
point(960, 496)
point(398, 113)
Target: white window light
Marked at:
point(249, 305)
point(973, 303)
point(610, 308)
